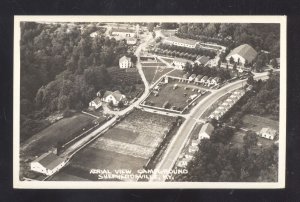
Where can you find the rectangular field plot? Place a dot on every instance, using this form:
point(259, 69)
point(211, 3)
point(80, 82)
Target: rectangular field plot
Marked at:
point(128, 145)
point(120, 134)
point(256, 123)
point(46, 139)
point(95, 158)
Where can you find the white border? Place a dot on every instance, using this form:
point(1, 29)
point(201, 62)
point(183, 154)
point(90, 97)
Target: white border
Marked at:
point(153, 185)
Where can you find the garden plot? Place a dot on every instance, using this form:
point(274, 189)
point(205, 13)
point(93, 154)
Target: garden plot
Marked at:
point(128, 145)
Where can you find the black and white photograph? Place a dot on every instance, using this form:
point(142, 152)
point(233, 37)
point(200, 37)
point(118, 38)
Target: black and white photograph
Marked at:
point(149, 102)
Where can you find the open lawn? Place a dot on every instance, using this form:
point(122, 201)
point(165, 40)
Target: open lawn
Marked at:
point(175, 97)
point(256, 123)
point(152, 74)
point(168, 60)
point(46, 139)
point(128, 145)
point(177, 73)
point(237, 140)
point(96, 158)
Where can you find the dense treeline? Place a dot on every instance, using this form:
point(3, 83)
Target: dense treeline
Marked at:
point(259, 36)
point(219, 161)
point(62, 67)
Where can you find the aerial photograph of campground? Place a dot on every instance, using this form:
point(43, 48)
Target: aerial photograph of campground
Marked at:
point(149, 101)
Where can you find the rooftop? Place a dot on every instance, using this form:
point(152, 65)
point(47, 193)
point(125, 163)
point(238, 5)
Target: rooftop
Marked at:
point(117, 94)
point(203, 60)
point(49, 160)
point(207, 128)
point(269, 131)
point(180, 40)
point(123, 30)
point(245, 51)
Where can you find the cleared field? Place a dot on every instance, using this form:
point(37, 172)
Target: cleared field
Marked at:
point(152, 74)
point(95, 158)
point(177, 73)
point(122, 135)
point(176, 97)
point(256, 123)
point(48, 138)
point(128, 145)
point(237, 140)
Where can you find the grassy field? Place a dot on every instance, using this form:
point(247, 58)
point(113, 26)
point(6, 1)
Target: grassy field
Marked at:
point(48, 138)
point(177, 73)
point(168, 60)
point(256, 123)
point(152, 74)
point(128, 145)
point(174, 97)
point(237, 140)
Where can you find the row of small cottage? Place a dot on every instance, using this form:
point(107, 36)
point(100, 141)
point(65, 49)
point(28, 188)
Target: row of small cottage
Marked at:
point(227, 104)
point(202, 79)
point(205, 133)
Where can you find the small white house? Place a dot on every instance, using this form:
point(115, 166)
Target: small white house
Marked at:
point(215, 81)
point(125, 62)
point(198, 78)
point(48, 164)
point(192, 77)
point(180, 62)
point(206, 131)
point(204, 79)
point(96, 103)
point(268, 133)
point(131, 41)
point(209, 81)
point(193, 149)
point(115, 97)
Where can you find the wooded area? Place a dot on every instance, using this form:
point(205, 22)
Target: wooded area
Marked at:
point(62, 68)
point(219, 161)
point(260, 36)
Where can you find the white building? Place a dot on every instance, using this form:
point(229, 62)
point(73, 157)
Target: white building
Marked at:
point(206, 131)
point(125, 62)
point(216, 81)
point(204, 79)
point(48, 164)
point(188, 43)
point(203, 60)
point(96, 103)
point(241, 54)
point(115, 97)
point(131, 41)
point(198, 78)
point(123, 32)
point(192, 77)
point(180, 62)
point(268, 133)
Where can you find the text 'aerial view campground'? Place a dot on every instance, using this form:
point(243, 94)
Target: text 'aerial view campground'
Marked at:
point(149, 102)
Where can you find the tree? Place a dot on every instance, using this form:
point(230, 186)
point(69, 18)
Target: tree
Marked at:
point(250, 80)
point(153, 34)
point(250, 139)
point(150, 27)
